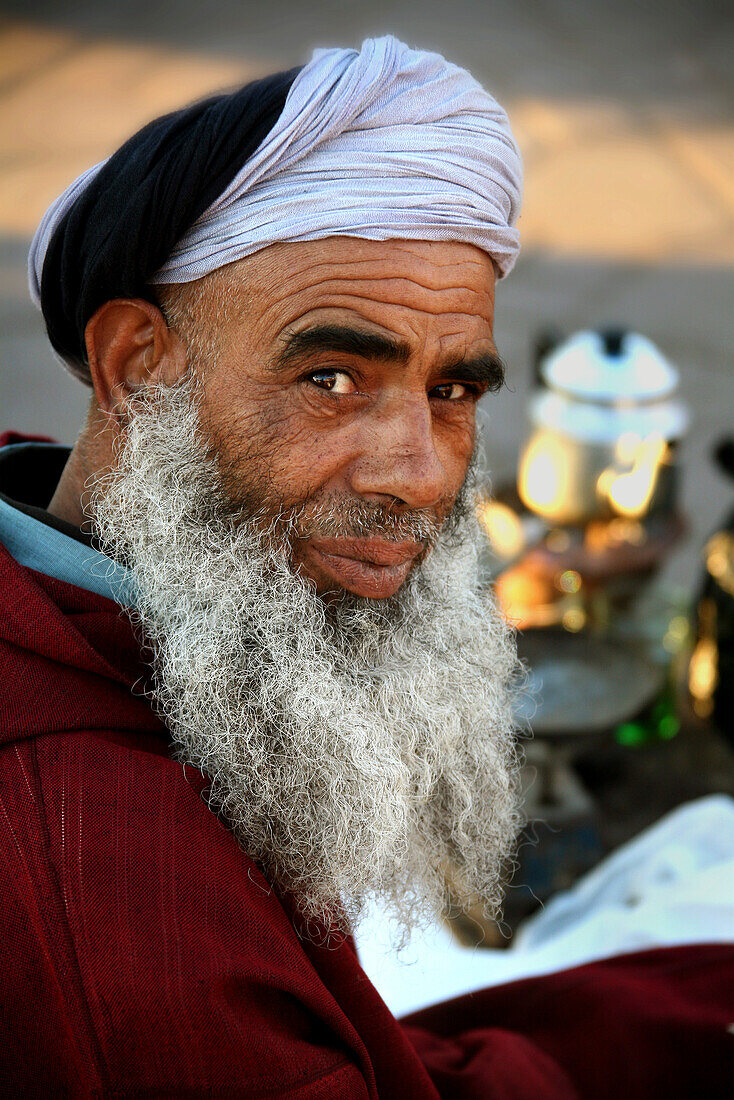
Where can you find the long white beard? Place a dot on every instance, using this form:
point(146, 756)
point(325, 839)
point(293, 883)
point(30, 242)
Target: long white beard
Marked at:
point(356, 750)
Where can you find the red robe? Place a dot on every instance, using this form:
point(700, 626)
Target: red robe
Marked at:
point(144, 954)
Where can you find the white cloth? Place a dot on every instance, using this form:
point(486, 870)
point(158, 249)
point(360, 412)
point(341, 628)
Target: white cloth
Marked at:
point(381, 143)
point(672, 885)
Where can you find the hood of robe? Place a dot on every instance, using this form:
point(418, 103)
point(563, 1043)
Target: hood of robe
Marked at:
point(69, 660)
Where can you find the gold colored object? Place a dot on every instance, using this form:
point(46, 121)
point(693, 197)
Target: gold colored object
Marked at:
point(720, 560)
point(502, 527)
point(569, 581)
point(629, 484)
point(703, 670)
point(574, 619)
point(546, 478)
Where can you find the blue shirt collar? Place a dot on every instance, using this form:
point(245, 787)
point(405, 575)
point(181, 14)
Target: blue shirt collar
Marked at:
point(38, 546)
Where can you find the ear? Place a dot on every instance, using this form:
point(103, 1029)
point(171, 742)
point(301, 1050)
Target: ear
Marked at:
point(129, 345)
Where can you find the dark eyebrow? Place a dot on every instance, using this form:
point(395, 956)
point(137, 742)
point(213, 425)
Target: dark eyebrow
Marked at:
point(485, 369)
point(344, 339)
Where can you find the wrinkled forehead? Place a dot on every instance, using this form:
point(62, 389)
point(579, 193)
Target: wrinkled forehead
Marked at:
point(411, 287)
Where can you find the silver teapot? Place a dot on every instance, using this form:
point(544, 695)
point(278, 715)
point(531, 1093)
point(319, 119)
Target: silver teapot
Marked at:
point(605, 422)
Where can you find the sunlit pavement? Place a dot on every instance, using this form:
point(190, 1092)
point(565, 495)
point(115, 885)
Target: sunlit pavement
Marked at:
point(626, 123)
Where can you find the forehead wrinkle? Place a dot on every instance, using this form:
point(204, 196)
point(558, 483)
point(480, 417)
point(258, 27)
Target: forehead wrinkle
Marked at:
point(343, 293)
point(395, 290)
point(426, 275)
point(345, 249)
point(347, 301)
point(380, 279)
point(428, 253)
point(457, 334)
point(452, 349)
point(367, 295)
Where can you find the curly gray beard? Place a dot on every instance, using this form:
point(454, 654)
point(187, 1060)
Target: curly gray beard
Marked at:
point(357, 749)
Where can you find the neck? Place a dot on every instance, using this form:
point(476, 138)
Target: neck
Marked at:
point(86, 459)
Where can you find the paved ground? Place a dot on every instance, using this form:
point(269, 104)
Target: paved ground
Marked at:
point(624, 111)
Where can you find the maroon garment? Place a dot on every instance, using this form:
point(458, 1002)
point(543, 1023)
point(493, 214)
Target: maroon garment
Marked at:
point(144, 955)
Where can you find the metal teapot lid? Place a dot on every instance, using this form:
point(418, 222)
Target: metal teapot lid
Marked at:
point(610, 367)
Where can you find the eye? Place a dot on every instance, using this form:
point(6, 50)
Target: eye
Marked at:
point(335, 381)
point(452, 391)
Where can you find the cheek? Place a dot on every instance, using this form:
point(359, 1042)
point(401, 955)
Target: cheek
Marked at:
point(454, 438)
point(263, 438)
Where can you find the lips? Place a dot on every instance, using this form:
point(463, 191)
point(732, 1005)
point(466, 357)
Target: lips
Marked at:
point(375, 551)
point(369, 567)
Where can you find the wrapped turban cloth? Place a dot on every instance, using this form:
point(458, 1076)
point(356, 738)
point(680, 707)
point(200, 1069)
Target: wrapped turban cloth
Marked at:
point(381, 143)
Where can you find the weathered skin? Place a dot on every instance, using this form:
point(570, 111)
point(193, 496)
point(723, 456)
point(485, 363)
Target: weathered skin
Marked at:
point(398, 429)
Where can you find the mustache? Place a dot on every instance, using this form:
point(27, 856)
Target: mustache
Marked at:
point(353, 518)
point(335, 516)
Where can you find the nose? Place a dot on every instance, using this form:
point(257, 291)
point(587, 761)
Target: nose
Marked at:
point(399, 457)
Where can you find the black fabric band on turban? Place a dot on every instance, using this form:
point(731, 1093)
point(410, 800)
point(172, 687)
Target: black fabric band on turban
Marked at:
point(126, 222)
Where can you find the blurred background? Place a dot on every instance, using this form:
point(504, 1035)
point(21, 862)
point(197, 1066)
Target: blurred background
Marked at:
point(625, 114)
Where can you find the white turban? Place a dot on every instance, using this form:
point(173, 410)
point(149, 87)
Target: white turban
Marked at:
point(384, 142)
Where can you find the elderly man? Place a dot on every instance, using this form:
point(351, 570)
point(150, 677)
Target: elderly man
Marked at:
point(283, 302)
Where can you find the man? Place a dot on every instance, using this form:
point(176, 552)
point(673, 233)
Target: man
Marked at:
point(253, 677)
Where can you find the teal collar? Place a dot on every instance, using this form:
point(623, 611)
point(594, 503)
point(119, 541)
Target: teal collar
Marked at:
point(44, 546)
